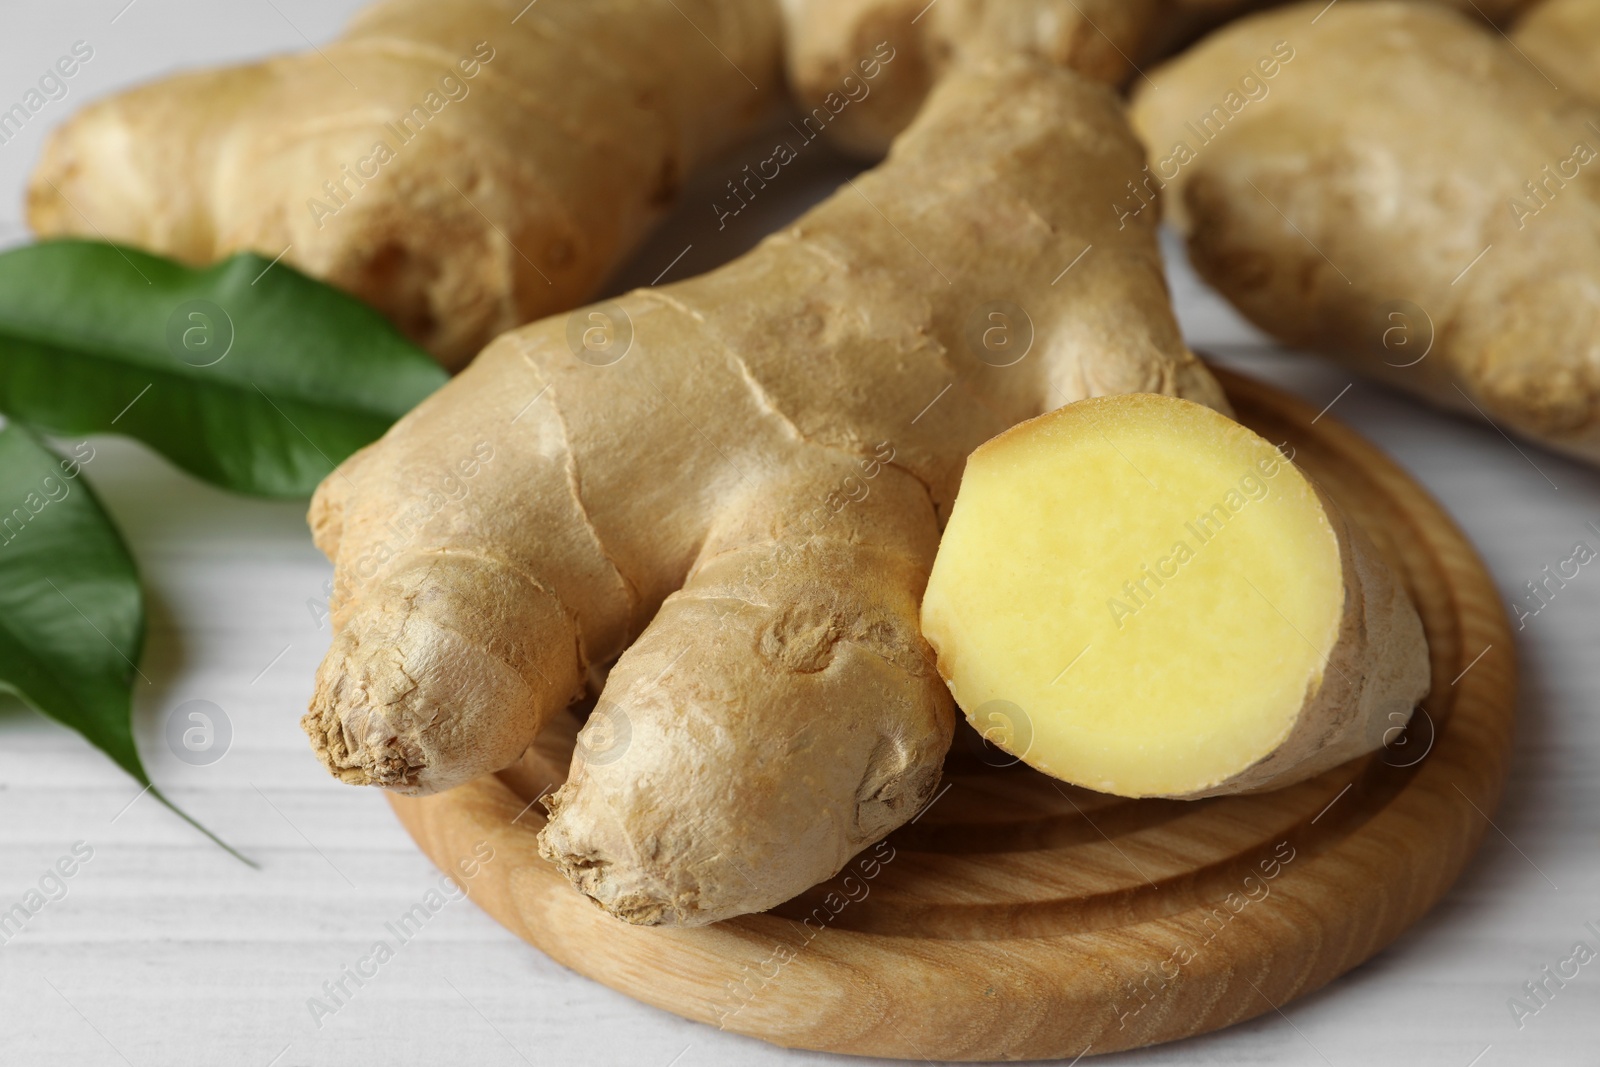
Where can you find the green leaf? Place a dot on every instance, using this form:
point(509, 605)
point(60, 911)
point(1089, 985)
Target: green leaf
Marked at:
point(71, 609)
point(247, 374)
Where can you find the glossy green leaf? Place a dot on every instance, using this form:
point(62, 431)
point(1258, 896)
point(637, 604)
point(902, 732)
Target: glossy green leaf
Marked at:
point(71, 610)
point(247, 374)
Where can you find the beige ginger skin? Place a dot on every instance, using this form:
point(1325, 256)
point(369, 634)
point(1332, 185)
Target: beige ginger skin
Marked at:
point(868, 64)
point(478, 163)
point(1411, 196)
point(833, 46)
point(906, 46)
point(738, 491)
point(1562, 39)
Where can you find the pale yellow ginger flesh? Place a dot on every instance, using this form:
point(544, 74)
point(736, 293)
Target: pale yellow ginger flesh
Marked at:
point(1138, 595)
point(464, 167)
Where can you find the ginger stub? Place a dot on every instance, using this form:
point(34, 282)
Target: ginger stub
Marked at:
point(1408, 195)
point(1137, 595)
point(463, 167)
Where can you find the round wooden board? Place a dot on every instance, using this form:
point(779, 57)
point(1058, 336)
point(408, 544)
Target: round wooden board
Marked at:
point(1018, 918)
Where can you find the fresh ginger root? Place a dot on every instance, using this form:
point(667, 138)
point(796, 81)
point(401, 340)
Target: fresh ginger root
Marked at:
point(464, 167)
point(1562, 39)
point(1406, 194)
point(736, 483)
point(1138, 595)
point(861, 68)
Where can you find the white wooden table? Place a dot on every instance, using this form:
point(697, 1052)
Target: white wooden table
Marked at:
point(166, 951)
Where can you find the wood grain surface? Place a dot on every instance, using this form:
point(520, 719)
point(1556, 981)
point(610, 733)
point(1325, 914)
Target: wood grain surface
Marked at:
point(1019, 918)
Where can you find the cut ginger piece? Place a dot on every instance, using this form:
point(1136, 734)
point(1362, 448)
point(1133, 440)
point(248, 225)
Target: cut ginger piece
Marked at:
point(1137, 595)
